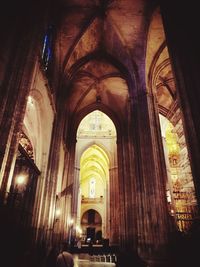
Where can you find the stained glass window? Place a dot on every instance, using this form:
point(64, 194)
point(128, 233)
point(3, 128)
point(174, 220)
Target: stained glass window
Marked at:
point(47, 47)
point(92, 187)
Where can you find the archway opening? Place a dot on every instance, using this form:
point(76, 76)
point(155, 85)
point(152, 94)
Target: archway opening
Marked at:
point(95, 154)
point(180, 189)
point(91, 225)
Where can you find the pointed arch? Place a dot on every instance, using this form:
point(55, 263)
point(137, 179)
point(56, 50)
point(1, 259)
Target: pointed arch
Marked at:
point(75, 120)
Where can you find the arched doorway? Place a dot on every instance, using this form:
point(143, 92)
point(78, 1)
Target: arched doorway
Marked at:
point(91, 225)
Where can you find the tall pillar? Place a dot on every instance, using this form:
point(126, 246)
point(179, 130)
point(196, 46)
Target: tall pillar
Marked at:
point(113, 208)
point(181, 25)
point(48, 205)
point(127, 196)
point(151, 201)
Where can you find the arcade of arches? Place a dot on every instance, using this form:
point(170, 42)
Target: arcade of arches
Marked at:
point(100, 137)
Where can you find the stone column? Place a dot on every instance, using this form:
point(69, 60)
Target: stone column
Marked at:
point(47, 211)
point(76, 195)
point(113, 200)
point(127, 196)
point(181, 25)
point(151, 201)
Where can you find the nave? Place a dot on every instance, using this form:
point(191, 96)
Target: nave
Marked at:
point(99, 129)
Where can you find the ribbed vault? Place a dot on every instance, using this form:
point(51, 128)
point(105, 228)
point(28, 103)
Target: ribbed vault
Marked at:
point(94, 163)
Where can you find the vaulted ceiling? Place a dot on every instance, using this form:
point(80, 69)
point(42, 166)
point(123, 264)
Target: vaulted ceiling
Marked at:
point(105, 51)
point(94, 163)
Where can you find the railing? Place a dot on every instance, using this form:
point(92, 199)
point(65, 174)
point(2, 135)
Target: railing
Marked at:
point(92, 200)
point(111, 258)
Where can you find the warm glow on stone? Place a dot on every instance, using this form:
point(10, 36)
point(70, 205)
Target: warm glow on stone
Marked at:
point(94, 166)
point(171, 141)
point(96, 123)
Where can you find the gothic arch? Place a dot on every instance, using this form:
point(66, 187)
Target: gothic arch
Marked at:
point(90, 144)
point(77, 118)
point(89, 207)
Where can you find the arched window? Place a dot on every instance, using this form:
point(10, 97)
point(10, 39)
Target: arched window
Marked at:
point(47, 47)
point(92, 188)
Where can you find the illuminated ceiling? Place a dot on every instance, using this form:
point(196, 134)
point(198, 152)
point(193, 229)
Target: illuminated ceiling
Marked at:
point(94, 163)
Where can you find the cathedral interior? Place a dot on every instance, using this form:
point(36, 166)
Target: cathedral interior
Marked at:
point(100, 128)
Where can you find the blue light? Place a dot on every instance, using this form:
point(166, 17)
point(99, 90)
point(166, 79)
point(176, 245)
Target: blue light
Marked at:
point(47, 47)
